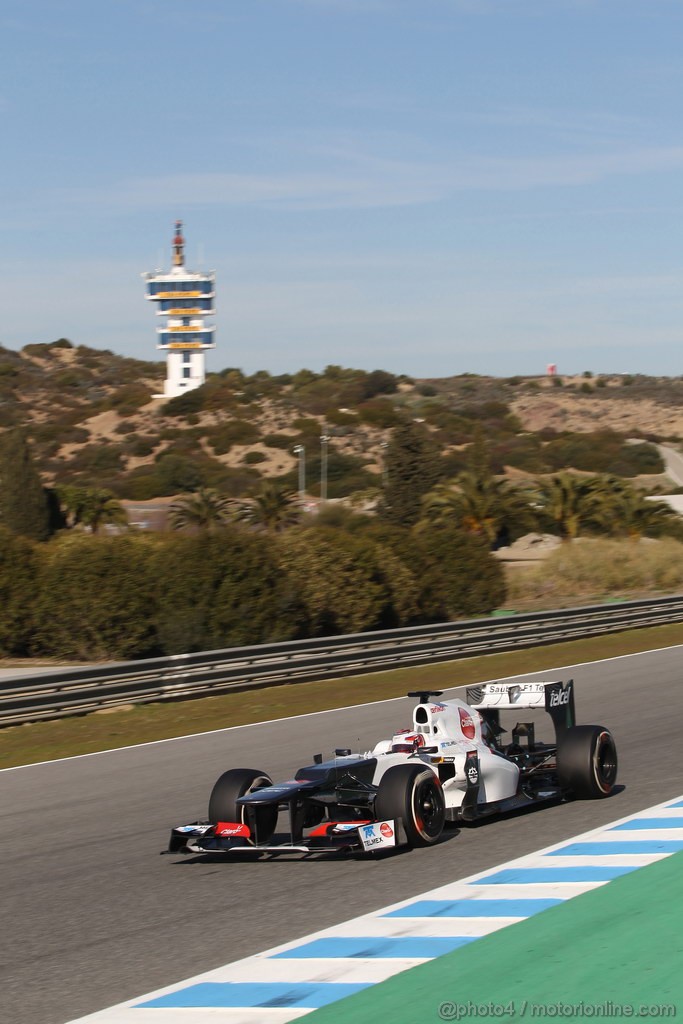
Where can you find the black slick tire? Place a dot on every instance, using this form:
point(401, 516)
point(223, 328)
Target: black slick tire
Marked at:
point(223, 804)
point(413, 793)
point(587, 762)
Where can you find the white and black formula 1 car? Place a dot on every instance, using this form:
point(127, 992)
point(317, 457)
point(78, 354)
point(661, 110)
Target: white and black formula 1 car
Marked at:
point(451, 765)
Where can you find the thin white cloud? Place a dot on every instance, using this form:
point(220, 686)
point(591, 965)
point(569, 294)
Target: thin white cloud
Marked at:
point(369, 181)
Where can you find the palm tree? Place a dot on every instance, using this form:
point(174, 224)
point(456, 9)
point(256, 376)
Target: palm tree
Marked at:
point(568, 501)
point(621, 509)
point(479, 503)
point(91, 507)
point(206, 510)
point(72, 502)
point(273, 508)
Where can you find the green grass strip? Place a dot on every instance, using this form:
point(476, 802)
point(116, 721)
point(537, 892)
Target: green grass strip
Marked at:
point(613, 952)
point(121, 727)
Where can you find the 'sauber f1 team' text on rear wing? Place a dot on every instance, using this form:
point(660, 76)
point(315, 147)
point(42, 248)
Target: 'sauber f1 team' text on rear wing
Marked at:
point(555, 697)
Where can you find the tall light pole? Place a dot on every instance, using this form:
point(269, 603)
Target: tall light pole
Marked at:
point(301, 452)
point(385, 468)
point(323, 467)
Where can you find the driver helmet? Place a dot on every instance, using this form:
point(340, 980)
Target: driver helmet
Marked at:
point(406, 742)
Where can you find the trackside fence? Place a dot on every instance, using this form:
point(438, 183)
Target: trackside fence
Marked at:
point(76, 691)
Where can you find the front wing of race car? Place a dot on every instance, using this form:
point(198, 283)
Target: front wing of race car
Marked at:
point(229, 837)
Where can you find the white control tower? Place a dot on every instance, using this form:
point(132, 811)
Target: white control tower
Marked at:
point(183, 298)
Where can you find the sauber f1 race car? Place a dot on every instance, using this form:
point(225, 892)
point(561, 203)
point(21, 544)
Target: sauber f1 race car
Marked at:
point(451, 765)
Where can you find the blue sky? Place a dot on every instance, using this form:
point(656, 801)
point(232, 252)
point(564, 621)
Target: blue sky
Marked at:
point(427, 186)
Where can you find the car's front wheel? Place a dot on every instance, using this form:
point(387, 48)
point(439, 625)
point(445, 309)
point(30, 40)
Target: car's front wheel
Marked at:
point(587, 762)
point(223, 805)
point(413, 793)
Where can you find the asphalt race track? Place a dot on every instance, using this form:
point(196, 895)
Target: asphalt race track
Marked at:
point(92, 915)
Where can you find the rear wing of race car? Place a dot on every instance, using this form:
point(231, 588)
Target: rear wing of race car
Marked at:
point(555, 697)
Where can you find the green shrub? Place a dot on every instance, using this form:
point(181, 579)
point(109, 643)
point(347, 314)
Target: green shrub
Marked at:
point(178, 473)
point(19, 587)
point(43, 349)
point(524, 452)
point(307, 426)
point(234, 481)
point(124, 427)
point(254, 458)
point(73, 377)
point(94, 459)
point(303, 377)
point(129, 398)
point(95, 598)
point(379, 412)
point(345, 583)
point(378, 382)
point(140, 446)
point(458, 575)
point(186, 442)
point(181, 405)
point(141, 484)
point(636, 459)
point(452, 428)
point(602, 451)
point(231, 433)
point(39, 349)
point(234, 595)
point(281, 441)
point(49, 437)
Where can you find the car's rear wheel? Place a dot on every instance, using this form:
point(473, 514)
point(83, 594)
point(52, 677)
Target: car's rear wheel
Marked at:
point(223, 804)
point(413, 793)
point(587, 762)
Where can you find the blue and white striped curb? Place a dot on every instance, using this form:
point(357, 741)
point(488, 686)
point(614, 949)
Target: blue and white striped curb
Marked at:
point(289, 981)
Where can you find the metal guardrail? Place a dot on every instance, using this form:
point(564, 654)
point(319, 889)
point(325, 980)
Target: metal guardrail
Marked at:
point(78, 691)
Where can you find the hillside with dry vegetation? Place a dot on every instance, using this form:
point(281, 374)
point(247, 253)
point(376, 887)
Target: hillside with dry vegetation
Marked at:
point(442, 480)
point(92, 420)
